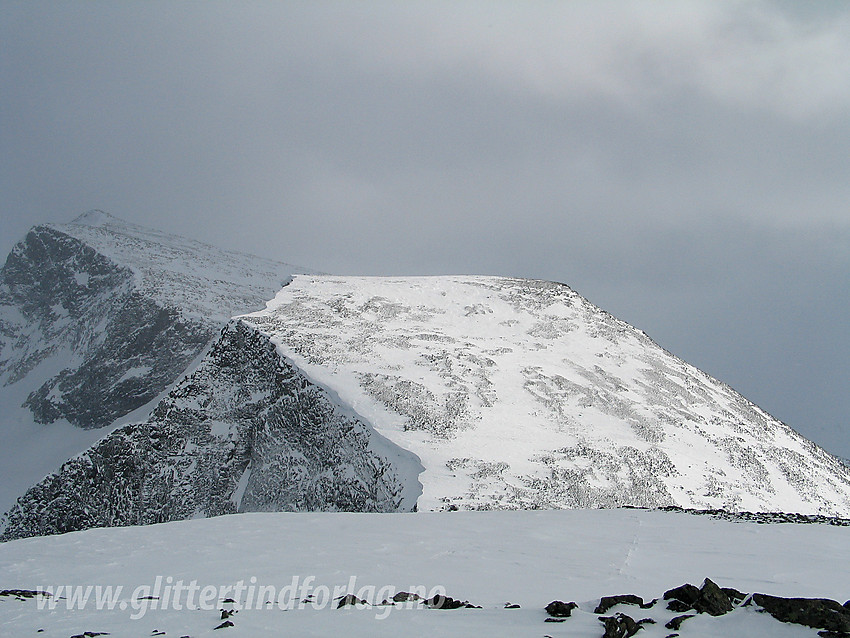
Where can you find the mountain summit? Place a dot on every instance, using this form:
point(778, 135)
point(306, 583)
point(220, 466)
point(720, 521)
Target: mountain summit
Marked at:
point(97, 318)
point(97, 217)
point(522, 394)
point(435, 393)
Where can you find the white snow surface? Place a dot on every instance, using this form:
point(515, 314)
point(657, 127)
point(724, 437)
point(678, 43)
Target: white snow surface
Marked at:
point(488, 558)
point(203, 281)
point(522, 394)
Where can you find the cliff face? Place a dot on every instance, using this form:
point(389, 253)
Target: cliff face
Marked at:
point(246, 431)
point(61, 297)
point(98, 317)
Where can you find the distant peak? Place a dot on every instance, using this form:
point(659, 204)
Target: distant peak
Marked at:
point(96, 218)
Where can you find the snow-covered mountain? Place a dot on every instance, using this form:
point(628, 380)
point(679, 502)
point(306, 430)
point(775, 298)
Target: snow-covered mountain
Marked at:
point(97, 318)
point(522, 394)
point(375, 394)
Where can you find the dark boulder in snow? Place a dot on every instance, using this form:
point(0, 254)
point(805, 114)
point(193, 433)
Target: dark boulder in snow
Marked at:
point(712, 600)
point(819, 613)
point(676, 622)
point(447, 602)
point(681, 598)
point(619, 626)
point(607, 602)
point(405, 596)
point(709, 599)
point(560, 609)
point(350, 600)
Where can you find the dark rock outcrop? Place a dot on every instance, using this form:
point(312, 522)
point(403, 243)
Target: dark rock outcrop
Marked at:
point(350, 600)
point(560, 609)
point(619, 626)
point(708, 599)
point(405, 596)
point(830, 616)
point(676, 622)
point(819, 613)
point(712, 600)
point(607, 602)
point(447, 602)
point(735, 597)
point(686, 594)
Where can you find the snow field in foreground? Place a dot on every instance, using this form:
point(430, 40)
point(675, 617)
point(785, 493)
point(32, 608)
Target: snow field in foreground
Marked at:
point(489, 558)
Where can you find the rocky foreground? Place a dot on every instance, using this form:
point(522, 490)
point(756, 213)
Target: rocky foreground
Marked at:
point(687, 601)
point(672, 610)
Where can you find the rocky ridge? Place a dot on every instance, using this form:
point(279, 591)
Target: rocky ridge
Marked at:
point(245, 431)
point(97, 318)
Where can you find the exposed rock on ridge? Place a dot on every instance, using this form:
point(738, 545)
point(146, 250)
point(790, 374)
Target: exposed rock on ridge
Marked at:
point(123, 309)
point(246, 431)
point(98, 317)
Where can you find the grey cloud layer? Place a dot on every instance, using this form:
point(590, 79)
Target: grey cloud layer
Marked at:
point(682, 165)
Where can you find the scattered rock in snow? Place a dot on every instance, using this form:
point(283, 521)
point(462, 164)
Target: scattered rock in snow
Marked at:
point(830, 616)
point(21, 594)
point(764, 518)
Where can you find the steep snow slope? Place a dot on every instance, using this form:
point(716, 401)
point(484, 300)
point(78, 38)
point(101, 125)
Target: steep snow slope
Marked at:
point(528, 558)
point(97, 318)
point(522, 394)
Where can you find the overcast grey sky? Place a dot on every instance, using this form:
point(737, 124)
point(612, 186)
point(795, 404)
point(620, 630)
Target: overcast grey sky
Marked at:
point(683, 164)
